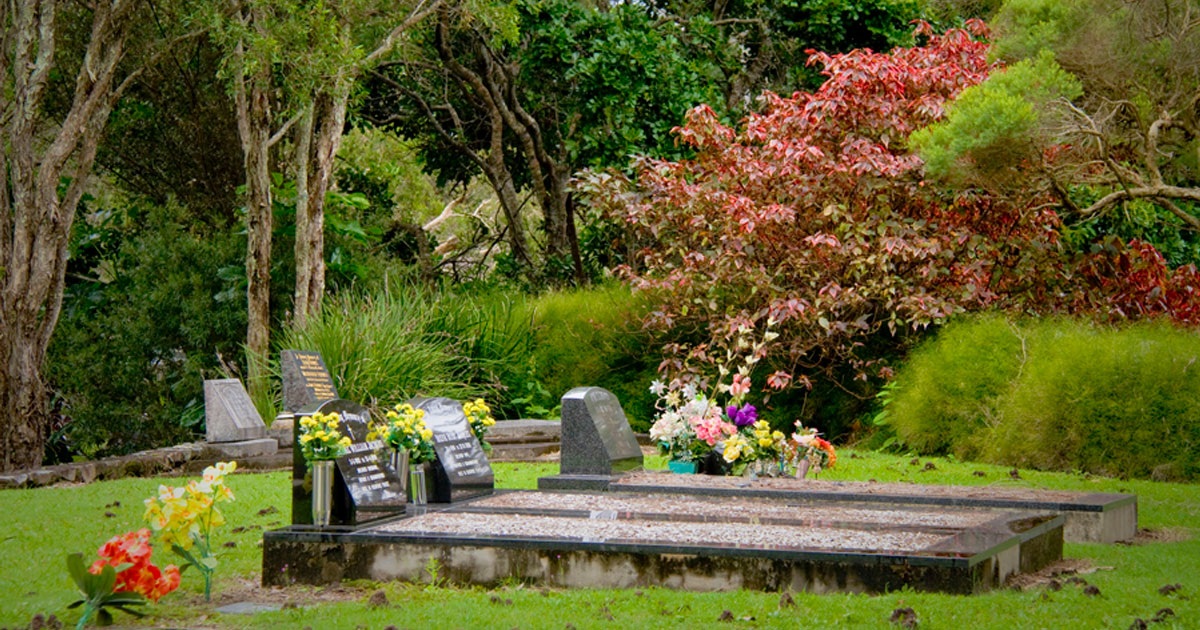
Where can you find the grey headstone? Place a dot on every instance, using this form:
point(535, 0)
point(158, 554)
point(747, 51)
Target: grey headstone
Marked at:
point(306, 381)
point(365, 486)
point(596, 437)
point(229, 414)
point(462, 469)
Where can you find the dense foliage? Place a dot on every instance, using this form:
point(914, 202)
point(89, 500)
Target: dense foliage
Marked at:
point(1054, 394)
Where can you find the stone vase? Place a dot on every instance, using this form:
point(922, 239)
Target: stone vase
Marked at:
point(322, 491)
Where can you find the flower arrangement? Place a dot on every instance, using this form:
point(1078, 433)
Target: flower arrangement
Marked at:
point(185, 518)
point(320, 438)
point(691, 423)
point(479, 415)
point(808, 446)
point(121, 578)
point(404, 428)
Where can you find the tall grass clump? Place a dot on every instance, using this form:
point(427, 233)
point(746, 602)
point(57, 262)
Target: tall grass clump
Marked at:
point(593, 337)
point(1056, 394)
point(386, 348)
point(945, 395)
point(1116, 402)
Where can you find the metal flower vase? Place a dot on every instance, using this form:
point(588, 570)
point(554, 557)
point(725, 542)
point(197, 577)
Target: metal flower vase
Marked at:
point(400, 465)
point(322, 491)
point(417, 492)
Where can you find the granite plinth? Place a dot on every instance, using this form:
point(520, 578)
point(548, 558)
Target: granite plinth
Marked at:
point(1089, 517)
point(240, 450)
point(626, 540)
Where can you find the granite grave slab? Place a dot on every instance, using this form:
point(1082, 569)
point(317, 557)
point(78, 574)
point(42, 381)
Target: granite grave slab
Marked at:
point(229, 414)
point(1089, 516)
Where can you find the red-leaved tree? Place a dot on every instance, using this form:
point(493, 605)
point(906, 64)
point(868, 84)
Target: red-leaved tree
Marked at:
point(814, 216)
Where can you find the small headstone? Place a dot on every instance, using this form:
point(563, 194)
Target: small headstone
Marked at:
point(306, 381)
point(461, 470)
point(596, 437)
point(229, 414)
point(365, 487)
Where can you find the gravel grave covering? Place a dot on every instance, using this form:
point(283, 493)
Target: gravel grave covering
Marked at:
point(722, 535)
point(663, 479)
point(691, 507)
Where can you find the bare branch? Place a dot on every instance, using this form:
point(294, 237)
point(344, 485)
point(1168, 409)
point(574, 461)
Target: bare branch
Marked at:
point(1144, 192)
point(418, 14)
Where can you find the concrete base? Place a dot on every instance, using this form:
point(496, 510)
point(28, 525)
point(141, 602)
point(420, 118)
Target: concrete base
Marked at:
point(1090, 517)
point(239, 450)
point(636, 551)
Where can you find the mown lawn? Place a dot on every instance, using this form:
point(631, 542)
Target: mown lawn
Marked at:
point(42, 526)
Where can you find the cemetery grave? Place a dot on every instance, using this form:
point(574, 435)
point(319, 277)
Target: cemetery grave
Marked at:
point(603, 522)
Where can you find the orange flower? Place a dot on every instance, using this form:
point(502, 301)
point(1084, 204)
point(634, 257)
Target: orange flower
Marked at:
point(140, 576)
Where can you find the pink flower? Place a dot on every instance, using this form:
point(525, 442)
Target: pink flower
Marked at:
point(711, 428)
point(740, 386)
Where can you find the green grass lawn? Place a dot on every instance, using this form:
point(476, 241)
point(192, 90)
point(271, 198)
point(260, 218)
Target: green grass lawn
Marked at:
point(42, 526)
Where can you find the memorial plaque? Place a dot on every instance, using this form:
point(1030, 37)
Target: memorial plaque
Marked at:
point(229, 414)
point(462, 469)
point(596, 438)
point(365, 487)
point(306, 382)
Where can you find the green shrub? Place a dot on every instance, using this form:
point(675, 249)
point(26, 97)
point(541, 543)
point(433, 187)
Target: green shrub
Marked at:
point(1123, 402)
point(1057, 395)
point(142, 325)
point(946, 392)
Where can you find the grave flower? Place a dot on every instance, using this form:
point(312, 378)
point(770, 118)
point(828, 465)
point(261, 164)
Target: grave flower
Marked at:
point(809, 446)
point(185, 518)
point(320, 438)
point(123, 577)
point(404, 428)
point(479, 415)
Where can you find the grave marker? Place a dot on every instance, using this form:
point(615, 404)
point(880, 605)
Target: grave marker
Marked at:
point(229, 414)
point(365, 487)
point(596, 437)
point(462, 469)
point(306, 381)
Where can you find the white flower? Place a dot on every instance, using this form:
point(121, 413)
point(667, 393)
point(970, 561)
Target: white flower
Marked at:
point(689, 391)
point(657, 387)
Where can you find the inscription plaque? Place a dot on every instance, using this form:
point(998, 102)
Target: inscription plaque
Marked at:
point(306, 382)
point(462, 469)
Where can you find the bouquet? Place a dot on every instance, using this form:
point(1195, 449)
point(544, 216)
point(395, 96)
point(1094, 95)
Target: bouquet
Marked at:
point(479, 415)
point(808, 446)
point(186, 517)
point(123, 577)
point(404, 428)
point(320, 438)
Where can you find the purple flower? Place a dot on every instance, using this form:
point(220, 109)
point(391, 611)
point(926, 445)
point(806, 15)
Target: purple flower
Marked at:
point(743, 417)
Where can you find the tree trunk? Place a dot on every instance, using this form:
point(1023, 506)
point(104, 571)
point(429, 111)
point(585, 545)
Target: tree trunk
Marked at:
point(328, 116)
point(36, 209)
point(254, 123)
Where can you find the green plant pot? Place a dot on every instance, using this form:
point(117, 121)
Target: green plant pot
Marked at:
point(682, 468)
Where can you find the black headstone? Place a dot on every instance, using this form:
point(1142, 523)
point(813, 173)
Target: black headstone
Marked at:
point(306, 382)
point(365, 487)
point(461, 470)
point(229, 414)
point(596, 438)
